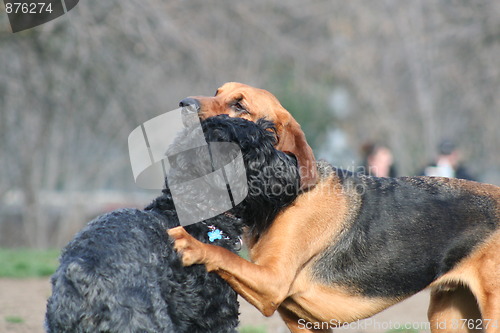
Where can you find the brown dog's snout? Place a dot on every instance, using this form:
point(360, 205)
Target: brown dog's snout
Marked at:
point(190, 109)
point(191, 104)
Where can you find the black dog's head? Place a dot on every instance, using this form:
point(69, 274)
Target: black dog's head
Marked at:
point(272, 178)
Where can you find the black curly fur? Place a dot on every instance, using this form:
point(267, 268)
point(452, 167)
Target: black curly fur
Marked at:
point(121, 274)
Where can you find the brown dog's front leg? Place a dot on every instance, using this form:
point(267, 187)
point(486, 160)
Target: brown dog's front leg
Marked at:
point(264, 285)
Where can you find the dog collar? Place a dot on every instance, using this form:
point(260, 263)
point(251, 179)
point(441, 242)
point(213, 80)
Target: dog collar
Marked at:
point(214, 234)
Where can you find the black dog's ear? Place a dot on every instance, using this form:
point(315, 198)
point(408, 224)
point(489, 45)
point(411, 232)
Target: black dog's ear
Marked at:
point(273, 183)
point(275, 172)
point(270, 133)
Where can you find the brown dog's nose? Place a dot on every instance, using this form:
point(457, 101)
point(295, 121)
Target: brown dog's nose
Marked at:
point(190, 103)
point(190, 108)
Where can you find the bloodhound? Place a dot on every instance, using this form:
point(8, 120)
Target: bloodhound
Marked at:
point(352, 245)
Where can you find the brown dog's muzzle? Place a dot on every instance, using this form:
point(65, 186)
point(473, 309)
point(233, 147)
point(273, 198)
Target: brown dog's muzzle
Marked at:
point(190, 103)
point(205, 107)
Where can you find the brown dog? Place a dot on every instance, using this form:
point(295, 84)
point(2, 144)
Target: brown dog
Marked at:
point(242, 101)
point(353, 245)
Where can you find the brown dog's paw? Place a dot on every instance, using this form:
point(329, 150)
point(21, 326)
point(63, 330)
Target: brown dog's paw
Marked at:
point(190, 249)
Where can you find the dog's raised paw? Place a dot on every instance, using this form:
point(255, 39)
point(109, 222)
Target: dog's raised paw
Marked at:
point(190, 249)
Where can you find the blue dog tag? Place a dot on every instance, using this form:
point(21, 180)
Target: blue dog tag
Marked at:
point(214, 235)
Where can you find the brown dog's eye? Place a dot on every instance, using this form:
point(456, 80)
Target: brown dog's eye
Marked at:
point(239, 108)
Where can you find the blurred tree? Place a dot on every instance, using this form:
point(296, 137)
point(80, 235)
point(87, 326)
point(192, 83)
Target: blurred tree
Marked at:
point(413, 73)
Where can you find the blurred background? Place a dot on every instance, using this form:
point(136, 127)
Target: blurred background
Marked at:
point(407, 74)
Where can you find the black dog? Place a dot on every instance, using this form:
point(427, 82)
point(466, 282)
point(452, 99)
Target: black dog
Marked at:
point(121, 274)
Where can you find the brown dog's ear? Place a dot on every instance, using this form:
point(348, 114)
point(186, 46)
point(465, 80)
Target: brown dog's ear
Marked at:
point(292, 140)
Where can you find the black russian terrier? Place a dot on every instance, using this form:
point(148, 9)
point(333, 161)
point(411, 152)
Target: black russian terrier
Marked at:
point(121, 274)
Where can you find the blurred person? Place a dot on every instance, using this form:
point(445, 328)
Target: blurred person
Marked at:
point(378, 160)
point(448, 163)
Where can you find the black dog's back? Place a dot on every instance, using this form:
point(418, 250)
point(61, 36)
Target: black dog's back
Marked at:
point(96, 283)
point(120, 274)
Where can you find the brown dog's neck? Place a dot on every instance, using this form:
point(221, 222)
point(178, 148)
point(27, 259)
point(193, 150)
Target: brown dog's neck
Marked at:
point(324, 171)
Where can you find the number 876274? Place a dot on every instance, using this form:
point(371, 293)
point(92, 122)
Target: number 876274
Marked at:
point(28, 8)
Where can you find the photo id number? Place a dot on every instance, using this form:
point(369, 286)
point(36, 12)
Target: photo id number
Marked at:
point(28, 8)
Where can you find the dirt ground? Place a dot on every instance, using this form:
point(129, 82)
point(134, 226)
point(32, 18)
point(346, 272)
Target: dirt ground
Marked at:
point(22, 307)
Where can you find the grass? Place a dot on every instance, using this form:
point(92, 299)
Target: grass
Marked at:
point(403, 330)
point(26, 263)
point(14, 319)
